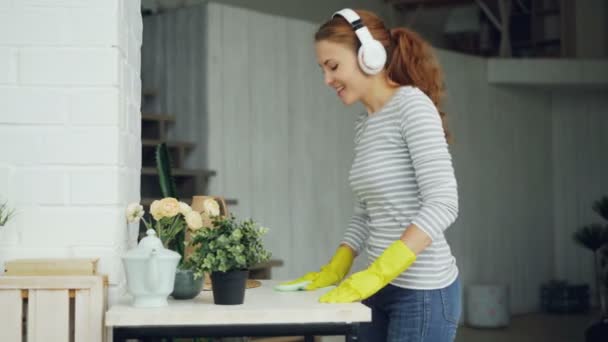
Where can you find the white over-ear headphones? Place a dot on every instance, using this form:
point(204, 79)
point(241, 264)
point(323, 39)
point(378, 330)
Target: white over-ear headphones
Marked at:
point(371, 54)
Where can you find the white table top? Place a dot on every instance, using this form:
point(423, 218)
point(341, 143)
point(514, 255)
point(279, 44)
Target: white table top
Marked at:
point(262, 305)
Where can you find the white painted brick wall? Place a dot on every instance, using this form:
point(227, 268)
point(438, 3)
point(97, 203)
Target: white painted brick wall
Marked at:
point(70, 126)
point(8, 65)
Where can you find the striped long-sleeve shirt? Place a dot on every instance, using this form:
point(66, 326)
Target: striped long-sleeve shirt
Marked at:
point(402, 174)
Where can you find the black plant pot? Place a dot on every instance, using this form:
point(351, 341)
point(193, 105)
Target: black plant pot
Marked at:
point(229, 287)
point(186, 286)
point(597, 332)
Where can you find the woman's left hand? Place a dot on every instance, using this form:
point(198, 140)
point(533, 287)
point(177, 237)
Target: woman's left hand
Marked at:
point(361, 285)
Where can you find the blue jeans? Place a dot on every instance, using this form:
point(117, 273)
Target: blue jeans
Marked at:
point(404, 315)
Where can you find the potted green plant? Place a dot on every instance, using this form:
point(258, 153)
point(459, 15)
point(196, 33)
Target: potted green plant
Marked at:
point(169, 219)
point(5, 214)
point(227, 249)
point(595, 238)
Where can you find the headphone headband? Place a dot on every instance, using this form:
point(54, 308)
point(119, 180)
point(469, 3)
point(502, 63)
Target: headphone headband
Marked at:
point(351, 16)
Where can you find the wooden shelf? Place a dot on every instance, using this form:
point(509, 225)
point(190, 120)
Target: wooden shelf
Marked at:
point(547, 72)
point(147, 201)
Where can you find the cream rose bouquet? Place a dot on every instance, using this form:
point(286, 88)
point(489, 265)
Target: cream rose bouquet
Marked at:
point(170, 218)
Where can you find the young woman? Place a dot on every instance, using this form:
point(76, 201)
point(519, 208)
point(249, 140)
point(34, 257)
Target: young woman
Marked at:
point(402, 178)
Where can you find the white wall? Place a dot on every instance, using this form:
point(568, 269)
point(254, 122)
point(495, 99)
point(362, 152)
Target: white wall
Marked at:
point(69, 127)
point(278, 138)
point(580, 167)
point(502, 160)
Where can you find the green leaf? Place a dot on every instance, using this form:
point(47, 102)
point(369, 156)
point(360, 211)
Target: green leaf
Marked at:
point(165, 177)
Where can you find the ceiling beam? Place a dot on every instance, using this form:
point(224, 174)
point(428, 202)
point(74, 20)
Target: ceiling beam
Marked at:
point(427, 3)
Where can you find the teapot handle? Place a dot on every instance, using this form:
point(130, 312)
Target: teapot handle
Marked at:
point(152, 281)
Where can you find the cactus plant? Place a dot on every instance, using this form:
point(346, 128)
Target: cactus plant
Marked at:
point(168, 189)
point(163, 165)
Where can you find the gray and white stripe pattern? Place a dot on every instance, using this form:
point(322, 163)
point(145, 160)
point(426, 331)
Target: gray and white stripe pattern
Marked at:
point(402, 174)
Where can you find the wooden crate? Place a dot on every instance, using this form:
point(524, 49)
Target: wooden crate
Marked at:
point(52, 308)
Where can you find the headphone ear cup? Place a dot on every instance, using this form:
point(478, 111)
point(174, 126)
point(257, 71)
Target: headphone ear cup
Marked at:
point(372, 57)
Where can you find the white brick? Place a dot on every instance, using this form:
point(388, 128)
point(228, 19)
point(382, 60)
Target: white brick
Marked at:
point(51, 26)
point(5, 176)
point(33, 105)
point(40, 186)
point(97, 187)
point(26, 138)
point(109, 4)
point(8, 64)
point(83, 146)
point(68, 66)
point(134, 120)
point(134, 151)
point(134, 55)
point(94, 107)
point(136, 89)
point(130, 184)
point(73, 226)
point(5, 4)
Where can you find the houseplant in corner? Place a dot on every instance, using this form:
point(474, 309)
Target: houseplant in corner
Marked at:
point(595, 238)
point(5, 214)
point(226, 249)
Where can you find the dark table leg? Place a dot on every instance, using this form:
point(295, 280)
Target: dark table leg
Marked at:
point(353, 335)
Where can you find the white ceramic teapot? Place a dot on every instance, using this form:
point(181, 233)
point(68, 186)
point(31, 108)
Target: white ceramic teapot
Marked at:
point(150, 270)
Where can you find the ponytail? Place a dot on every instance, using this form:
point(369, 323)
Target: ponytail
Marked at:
point(412, 62)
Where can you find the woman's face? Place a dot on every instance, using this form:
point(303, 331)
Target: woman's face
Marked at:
point(341, 71)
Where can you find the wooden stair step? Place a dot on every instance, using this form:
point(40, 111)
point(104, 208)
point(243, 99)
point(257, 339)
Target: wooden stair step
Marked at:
point(157, 117)
point(154, 126)
point(170, 143)
point(149, 93)
point(152, 171)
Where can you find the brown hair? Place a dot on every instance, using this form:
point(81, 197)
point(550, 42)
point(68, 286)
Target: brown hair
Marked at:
point(410, 59)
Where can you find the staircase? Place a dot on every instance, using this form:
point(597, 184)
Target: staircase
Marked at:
point(188, 182)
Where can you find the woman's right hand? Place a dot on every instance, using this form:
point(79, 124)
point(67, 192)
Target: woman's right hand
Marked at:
point(330, 274)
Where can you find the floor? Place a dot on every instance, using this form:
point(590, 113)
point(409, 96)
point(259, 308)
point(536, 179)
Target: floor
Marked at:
point(526, 328)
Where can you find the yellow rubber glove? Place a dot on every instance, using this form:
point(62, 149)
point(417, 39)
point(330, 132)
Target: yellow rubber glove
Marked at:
point(361, 285)
point(329, 274)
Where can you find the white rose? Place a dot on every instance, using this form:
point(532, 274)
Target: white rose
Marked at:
point(169, 207)
point(135, 212)
point(155, 210)
point(184, 208)
point(211, 207)
point(194, 220)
